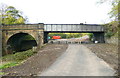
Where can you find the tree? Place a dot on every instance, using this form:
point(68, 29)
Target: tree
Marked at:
point(115, 10)
point(112, 27)
point(10, 15)
point(114, 14)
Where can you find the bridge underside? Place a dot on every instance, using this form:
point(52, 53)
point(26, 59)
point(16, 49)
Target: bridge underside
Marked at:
point(98, 36)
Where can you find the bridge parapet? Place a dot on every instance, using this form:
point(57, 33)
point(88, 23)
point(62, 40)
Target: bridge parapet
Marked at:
point(23, 27)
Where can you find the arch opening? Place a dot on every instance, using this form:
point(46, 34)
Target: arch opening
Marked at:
point(69, 37)
point(20, 42)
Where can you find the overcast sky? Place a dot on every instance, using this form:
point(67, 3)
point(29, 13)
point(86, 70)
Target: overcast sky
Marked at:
point(62, 11)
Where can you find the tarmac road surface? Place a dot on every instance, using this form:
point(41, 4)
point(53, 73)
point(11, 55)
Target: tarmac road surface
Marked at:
point(78, 60)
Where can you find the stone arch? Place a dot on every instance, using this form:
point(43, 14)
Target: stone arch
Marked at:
point(20, 42)
point(16, 32)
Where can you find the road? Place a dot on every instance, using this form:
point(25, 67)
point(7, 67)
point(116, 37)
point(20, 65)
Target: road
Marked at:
point(78, 60)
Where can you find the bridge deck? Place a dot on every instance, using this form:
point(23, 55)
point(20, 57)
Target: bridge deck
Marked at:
point(73, 28)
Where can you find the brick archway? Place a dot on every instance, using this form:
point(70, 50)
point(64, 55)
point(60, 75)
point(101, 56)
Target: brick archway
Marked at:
point(20, 42)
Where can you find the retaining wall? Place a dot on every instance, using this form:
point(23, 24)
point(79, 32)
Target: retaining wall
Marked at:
point(113, 40)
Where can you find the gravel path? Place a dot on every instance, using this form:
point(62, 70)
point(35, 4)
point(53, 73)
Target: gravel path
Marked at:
point(107, 52)
point(78, 60)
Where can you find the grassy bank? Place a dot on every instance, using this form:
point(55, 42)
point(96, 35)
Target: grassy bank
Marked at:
point(15, 59)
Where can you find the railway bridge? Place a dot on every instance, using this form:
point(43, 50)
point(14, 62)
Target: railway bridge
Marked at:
point(16, 37)
point(97, 30)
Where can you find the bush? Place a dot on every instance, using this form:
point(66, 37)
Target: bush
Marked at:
point(109, 34)
point(15, 59)
point(23, 55)
point(8, 57)
point(19, 56)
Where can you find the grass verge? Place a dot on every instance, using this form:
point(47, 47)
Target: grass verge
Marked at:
point(15, 59)
point(10, 64)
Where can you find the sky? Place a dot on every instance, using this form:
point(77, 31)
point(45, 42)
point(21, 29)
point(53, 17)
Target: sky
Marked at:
point(62, 11)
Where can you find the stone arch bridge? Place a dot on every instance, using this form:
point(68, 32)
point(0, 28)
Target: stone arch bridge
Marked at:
point(37, 33)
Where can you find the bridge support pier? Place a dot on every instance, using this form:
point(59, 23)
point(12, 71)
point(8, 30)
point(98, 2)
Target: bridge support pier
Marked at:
point(46, 37)
point(99, 37)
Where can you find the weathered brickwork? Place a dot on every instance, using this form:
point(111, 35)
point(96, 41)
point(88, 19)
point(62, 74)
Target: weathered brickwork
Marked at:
point(35, 30)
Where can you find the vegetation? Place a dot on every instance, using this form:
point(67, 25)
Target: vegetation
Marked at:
point(115, 8)
point(23, 55)
point(10, 15)
point(15, 59)
point(19, 56)
point(10, 64)
point(2, 73)
point(112, 27)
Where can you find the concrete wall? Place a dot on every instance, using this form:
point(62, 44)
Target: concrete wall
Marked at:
point(113, 40)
